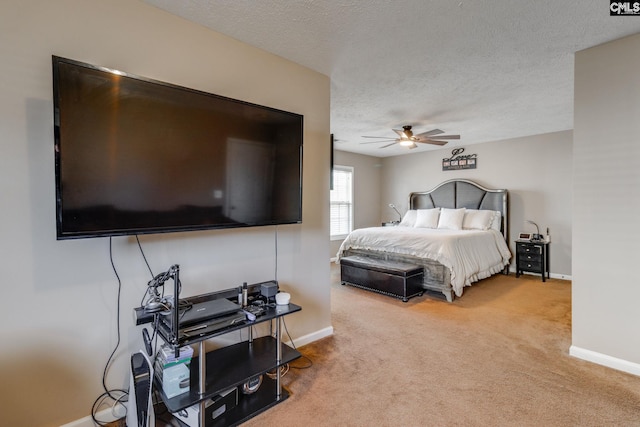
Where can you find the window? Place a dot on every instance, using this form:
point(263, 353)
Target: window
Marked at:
point(341, 197)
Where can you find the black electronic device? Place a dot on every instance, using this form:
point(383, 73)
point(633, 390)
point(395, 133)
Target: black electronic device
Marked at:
point(253, 311)
point(140, 405)
point(141, 316)
point(212, 325)
point(202, 311)
point(135, 155)
point(269, 289)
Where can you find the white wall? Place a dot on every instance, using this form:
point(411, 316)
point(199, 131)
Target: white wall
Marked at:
point(606, 192)
point(536, 170)
point(58, 321)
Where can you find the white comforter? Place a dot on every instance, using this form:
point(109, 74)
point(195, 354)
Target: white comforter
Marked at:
point(470, 255)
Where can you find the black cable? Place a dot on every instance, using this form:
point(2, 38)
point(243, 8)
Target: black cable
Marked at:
point(276, 252)
point(294, 347)
point(283, 322)
point(107, 392)
point(158, 281)
point(144, 256)
point(106, 367)
point(148, 267)
point(99, 401)
point(156, 321)
point(284, 369)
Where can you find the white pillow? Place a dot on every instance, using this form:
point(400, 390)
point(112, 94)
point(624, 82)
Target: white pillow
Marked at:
point(451, 219)
point(496, 223)
point(427, 218)
point(477, 219)
point(409, 218)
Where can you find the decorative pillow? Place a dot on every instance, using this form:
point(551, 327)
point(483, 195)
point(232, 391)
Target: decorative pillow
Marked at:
point(409, 218)
point(427, 218)
point(496, 223)
point(477, 219)
point(451, 219)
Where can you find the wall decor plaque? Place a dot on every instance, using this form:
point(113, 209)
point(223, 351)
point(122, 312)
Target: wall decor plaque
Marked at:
point(459, 161)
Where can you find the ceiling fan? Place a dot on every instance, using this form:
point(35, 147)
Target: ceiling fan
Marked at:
point(406, 138)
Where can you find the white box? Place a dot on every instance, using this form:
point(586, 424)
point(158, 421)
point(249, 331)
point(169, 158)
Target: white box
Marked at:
point(175, 380)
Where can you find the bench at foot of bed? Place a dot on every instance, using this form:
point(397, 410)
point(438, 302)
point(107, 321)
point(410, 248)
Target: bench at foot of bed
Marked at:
point(393, 278)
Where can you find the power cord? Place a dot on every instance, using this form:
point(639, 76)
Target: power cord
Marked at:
point(154, 335)
point(123, 395)
point(108, 394)
point(284, 369)
point(295, 348)
point(158, 281)
point(100, 401)
point(144, 256)
point(276, 253)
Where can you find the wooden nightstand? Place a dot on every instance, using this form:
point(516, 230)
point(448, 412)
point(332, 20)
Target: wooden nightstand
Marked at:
point(532, 256)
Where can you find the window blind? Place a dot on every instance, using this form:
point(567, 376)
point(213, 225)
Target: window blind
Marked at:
point(341, 197)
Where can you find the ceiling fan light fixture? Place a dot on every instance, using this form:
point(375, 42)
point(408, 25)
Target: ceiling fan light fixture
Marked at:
point(406, 142)
point(407, 139)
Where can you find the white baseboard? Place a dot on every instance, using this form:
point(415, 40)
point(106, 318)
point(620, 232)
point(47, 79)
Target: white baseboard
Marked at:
point(512, 269)
point(105, 415)
point(561, 276)
point(605, 360)
point(314, 336)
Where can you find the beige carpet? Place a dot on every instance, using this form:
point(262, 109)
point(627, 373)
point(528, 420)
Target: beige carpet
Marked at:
point(497, 356)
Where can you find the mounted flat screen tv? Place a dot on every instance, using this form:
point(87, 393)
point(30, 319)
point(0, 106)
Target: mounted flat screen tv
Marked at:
point(134, 155)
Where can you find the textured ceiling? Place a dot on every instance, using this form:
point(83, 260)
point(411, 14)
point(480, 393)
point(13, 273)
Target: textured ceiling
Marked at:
point(485, 69)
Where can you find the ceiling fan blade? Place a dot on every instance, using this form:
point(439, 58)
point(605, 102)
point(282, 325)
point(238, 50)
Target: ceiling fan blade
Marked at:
point(380, 137)
point(430, 133)
point(448, 136)
point(405, 136)
point(389, 145)
point(377, 142)
point(434, 142)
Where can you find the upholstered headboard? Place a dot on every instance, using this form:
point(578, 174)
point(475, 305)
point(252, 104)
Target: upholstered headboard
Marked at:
point(462, 193)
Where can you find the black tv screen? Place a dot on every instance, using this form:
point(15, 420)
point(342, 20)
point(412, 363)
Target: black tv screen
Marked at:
point(134, 155)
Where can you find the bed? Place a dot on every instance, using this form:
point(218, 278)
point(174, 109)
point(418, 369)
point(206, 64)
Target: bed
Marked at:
point(457, 232)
